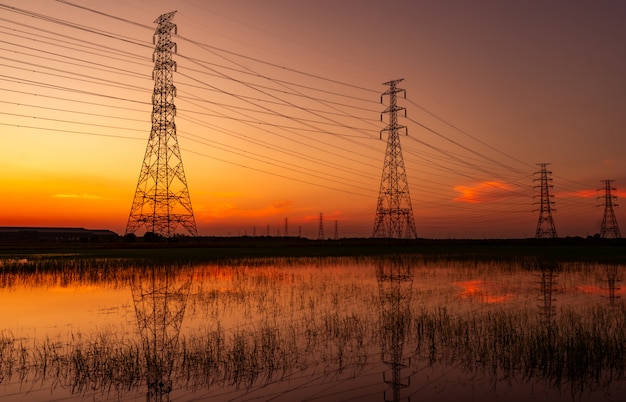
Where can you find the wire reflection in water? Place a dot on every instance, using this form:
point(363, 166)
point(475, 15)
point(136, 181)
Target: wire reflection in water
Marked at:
point(321, 329)
point(395, 285)
point(160, 299)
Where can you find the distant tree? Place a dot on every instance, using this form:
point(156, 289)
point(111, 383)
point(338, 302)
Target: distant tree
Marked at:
point(130, 238)
point(152, 237)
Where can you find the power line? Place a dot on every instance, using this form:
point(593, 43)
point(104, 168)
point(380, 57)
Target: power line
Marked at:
point(70, 131)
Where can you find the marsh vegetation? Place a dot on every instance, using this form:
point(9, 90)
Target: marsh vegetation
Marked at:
point(301, 328)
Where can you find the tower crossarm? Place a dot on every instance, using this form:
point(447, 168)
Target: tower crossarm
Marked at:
point(609, 227)
point(394, 213)
point(162, 203)
point(545, 224)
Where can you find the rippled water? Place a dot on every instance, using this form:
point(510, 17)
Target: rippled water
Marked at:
point(332, 329)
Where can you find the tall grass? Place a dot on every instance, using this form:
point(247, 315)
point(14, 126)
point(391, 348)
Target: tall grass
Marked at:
point(581, 350)
point(584, 351)
point(265, 321)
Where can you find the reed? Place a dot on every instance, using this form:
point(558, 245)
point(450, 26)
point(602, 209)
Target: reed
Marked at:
point(583, 349)
point(265, 321)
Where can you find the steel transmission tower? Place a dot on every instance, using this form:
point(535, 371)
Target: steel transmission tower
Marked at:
point(320, 231)
point(609, 228)
point(545, 225)
point(162, 200)
point(394, 214)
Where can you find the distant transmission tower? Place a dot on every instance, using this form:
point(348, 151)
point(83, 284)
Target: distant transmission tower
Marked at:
point(609, 227)
point(545, 225)
point(320, 232)
point(394, 214)
point(336, 230)
point(162, 200)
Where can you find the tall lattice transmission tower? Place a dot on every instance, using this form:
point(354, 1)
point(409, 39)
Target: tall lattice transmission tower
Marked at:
point(609, 228)
point(545, 225)
point(394, 214)
point(320, 231)
point(162, 200)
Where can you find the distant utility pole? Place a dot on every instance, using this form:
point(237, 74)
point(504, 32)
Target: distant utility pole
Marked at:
point(336, 230)
point(320, 232)
point(286, 231)
point(161, 201)
point(545, 225)
point(394, 213)
point(609, 227)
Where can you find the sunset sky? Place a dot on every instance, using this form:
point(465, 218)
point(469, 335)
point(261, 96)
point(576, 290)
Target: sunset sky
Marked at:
point(279, 112)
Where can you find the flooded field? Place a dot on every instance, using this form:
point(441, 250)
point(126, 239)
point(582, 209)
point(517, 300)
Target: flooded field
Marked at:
point(312, 329)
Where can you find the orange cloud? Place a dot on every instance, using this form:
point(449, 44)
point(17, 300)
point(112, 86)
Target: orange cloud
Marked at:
point(233, 210)
point(485, 191)
point(591, 193)
point(82, 196)
point(580, 194)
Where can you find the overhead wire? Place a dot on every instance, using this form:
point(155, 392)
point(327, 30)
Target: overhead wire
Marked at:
point(284, 150)
point(479, 164)
point(75, 122)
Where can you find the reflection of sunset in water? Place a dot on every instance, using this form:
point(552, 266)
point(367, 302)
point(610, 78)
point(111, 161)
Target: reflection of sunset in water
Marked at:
point(590, 289)
point(478, 289)
point(57, 310)
point(248, 322)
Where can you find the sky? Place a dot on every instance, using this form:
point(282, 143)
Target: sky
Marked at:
point(279, 112)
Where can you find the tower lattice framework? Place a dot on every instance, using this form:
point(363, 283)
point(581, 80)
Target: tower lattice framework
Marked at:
point(160, 300)
point(609, 228)
point(394, 213)
point(162, 201)
point(395, 283)
point(545, 225)
point(320, 231)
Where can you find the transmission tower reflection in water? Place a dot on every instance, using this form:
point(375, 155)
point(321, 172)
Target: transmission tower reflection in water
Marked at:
point(395, 283)
point(160, 300)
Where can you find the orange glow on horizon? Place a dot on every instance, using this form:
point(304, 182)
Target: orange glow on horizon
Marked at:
point(297, 132)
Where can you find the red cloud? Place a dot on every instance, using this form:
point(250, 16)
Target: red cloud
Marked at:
point(595, 193)
point(485, 191)
point(580, 194)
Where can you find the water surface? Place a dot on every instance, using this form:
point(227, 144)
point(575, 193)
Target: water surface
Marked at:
point(331, 329)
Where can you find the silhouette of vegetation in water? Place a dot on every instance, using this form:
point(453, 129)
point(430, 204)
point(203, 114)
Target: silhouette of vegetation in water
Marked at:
point(308, 323)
